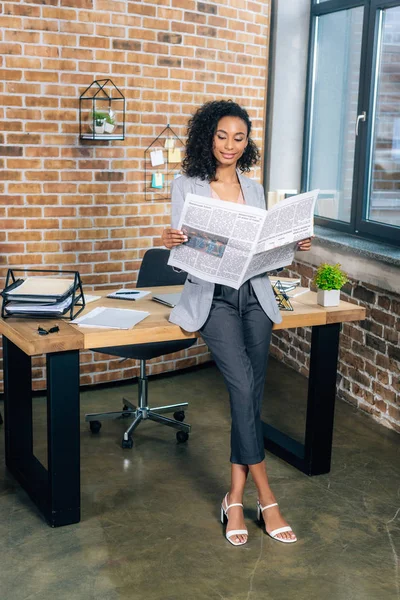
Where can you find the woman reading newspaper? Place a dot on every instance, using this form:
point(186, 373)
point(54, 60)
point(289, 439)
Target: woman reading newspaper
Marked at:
point(235, 324)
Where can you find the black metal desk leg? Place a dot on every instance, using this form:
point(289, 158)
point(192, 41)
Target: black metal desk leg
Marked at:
point(17, 404)
point(63, 437)
point(321, 398)
point(56, 491)
point(314, 456)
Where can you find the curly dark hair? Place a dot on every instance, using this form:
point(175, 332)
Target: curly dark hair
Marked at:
point(199, 159)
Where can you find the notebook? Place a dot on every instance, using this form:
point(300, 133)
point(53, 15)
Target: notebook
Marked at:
point(168, 299)
point(127, 294)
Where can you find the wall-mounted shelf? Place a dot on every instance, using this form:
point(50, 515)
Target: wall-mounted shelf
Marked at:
point(102, 136)
point(102, 112)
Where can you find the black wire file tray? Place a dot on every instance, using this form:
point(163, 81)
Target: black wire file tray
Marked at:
point(39, 293)
point(281, 296)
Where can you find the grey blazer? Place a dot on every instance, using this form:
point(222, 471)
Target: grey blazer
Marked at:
point(194, 306)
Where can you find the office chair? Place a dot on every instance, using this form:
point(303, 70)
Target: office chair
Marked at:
point(154, 271)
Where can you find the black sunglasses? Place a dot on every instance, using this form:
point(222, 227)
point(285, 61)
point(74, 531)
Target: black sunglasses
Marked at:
point(42, 331)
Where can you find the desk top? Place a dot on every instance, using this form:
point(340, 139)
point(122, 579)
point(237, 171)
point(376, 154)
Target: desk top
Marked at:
point(155, 328)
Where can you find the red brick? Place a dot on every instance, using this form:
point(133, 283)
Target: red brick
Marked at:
point(24, 236)
point(11, 248)
point(10, 75)
point(42, 224)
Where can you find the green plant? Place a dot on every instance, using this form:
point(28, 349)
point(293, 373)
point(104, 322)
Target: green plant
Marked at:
point(102, 116)
point(330, 277)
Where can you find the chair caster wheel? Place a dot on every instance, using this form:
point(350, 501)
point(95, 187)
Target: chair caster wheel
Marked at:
point(179, 415)
point(95, 426)
point(182, 436)
point(127, 443)
point(127, 409)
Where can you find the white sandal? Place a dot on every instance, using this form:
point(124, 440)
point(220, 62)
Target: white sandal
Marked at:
point(224, 518)
point(274, 533)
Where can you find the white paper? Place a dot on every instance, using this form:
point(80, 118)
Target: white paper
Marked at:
point(229, 243)
point(299, 291)
point(157, 158)
point(89, 298)
point(126, 294)
point(286, 283)
point(56, 308)
point(111, 318)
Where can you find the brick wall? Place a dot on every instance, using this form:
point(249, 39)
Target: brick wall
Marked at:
point(70, 204)
point(369, 358)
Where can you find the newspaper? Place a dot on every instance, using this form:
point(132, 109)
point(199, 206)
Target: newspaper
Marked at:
point(229, 243)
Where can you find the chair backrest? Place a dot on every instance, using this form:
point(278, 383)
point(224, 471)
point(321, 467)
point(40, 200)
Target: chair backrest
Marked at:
point(154, 270)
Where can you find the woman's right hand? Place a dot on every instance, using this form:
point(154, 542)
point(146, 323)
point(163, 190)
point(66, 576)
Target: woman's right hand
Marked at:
point(173, 237)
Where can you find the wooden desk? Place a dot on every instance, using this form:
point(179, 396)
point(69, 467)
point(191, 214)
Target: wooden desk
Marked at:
point(56, 490)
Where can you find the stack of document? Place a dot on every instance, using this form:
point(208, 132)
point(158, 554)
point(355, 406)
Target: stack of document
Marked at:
point(39, 295)
point(57, 308)
point(39, 289)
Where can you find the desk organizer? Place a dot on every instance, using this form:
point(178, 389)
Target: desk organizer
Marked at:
point(41, 306)
point(281, 297)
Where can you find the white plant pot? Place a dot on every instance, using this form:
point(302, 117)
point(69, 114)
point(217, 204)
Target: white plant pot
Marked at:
point(99, 128)
point(328, 297)
point(109, 127)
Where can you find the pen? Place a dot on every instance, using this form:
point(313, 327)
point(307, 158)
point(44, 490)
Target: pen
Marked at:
point(124, 293)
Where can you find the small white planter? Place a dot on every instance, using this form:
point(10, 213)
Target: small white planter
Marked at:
point(328, 297)
point(99, 128)
point(108, 127)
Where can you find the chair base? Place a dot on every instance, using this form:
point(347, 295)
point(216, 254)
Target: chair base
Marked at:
point(140, 414)
point(143, 412)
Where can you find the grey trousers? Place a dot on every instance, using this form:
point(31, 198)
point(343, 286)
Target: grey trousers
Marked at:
point(238, 334)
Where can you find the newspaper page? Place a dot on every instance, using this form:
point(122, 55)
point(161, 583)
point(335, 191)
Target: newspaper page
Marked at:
point(286, 223)
point(228, 243)
point(221, 239)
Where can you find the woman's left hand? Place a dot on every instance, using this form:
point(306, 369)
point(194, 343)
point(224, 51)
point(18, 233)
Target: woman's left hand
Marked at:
point(304, 244)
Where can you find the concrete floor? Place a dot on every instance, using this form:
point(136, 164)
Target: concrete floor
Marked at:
point(150, 526)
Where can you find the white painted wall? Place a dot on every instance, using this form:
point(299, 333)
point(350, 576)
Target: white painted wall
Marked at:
point(287, 80)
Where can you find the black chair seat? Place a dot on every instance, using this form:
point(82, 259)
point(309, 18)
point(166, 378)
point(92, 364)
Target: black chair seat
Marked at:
point(147, 351)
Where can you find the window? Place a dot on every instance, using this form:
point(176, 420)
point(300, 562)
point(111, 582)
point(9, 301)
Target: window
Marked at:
point(352, 133)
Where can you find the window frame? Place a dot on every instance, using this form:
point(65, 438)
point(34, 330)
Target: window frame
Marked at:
point(358, 224)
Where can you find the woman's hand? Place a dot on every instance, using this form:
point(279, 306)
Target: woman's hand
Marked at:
point(173, 237)
point(304, 244)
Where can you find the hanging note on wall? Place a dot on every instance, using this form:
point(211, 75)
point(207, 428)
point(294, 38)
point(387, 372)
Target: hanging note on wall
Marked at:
point(169, 143)
point(157, 158)
point(157, 180)
point(174, 155)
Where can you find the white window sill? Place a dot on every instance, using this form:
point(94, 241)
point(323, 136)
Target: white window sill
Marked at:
point(370, 262)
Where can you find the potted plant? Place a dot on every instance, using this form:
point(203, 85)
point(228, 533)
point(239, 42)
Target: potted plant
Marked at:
point(329, 279)
point(103, 122)
point(97, 119)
